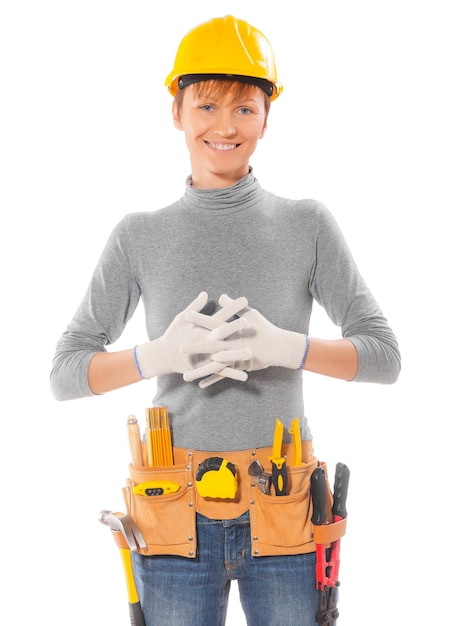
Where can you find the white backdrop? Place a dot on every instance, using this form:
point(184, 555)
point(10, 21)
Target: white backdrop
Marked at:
point(375, 121)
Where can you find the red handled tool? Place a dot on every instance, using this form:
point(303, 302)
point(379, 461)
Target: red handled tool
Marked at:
point(327, 559)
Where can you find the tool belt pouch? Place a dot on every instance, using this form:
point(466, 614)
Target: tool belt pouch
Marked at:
point(282, 524)
point(167, 521)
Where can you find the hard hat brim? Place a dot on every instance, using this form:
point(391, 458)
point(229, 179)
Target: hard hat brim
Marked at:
point(190, 79)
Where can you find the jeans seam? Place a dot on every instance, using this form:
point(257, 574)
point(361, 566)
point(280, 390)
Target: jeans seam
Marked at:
point(229, 567)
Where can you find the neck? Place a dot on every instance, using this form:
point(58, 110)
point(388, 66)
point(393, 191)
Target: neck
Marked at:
point(216, 180)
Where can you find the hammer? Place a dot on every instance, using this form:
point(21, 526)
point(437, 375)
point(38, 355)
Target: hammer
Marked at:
point(128, 538)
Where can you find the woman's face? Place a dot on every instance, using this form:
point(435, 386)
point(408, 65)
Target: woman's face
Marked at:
point(221, 132)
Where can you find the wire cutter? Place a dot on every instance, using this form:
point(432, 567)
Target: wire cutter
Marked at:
point(279, 469)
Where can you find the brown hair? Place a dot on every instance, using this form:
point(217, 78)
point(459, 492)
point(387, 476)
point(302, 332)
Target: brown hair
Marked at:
point(232, 89)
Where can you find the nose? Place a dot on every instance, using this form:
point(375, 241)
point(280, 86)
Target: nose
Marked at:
point(224, 124)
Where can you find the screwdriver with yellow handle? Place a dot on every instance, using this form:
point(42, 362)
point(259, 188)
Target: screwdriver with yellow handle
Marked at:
point(279, 469)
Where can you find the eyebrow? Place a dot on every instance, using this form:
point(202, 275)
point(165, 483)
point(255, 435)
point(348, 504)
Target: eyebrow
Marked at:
point(234, 100)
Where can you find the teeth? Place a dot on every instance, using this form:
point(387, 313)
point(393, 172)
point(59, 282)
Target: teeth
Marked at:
point(222, 146)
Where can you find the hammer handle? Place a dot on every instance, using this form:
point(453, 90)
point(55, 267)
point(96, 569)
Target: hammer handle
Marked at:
point(136, 614)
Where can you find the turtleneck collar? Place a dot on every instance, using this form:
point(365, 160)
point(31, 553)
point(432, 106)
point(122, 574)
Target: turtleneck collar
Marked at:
point(243, 195)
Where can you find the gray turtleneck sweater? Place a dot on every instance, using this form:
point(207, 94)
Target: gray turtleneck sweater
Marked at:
point(244, 241)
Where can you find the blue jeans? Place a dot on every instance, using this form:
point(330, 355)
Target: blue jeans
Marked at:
point(274, 590)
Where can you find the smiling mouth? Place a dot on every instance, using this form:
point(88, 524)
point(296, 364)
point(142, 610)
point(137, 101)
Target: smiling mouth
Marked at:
point(222, 146)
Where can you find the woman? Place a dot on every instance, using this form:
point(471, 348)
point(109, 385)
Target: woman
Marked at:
point(228, 275)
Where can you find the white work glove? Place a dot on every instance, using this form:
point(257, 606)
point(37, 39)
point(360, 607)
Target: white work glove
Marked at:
point(269, 344)
point(163, 355)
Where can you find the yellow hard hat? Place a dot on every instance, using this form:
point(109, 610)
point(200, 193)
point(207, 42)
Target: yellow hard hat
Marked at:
point(225, 47)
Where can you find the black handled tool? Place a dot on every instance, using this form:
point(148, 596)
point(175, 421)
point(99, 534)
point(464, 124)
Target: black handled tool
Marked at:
point(327, 570)
point(279, 476)
point(339, 512)
point(279, 469)
point(341, 486)
point(318, 496)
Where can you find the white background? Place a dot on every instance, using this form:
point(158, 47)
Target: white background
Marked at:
point(375, 121)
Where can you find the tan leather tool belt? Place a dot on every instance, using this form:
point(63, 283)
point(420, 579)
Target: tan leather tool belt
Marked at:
point(279, 524)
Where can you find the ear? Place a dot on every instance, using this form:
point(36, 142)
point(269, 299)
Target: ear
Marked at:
point(176, 116)
point(263, 130)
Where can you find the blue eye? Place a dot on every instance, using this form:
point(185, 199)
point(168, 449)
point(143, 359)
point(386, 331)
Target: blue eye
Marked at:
point(245, 110)
point(206, 107)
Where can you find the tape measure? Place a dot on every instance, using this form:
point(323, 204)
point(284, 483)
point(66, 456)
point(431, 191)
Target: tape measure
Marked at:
point(216, 478)
point(156, 488)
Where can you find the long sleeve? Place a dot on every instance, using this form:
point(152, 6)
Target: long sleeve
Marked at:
point(338, 286)
point(107, 306)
